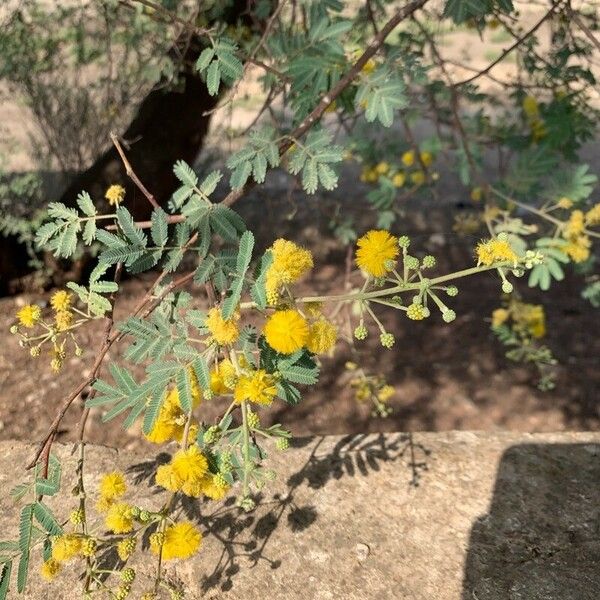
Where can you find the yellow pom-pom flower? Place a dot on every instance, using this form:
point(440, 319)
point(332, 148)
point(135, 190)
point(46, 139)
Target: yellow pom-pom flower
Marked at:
point(408, 158)
point(592, 216)
point(222, 378)
point(66, 547)
point(499, 317)
point(170, 424)
point(286, 331)
point(257, 387)
point(63, 319)
point(112, 485)
point(493, 251)
point(530, 106)
point(215, 487)
point(290, 262)
point(61, 300)
point(418, 177)
point(575, 226)
point(426, 158)
point(224, 331)
point(181, 540)
point(50, 569)
point(565, 203)
point(376, 253)
point(578, 248)
point(119, 518)
point(115, 194)
point(382, 168)
point(126, 547)
point(399, 179)
point(322, 336)
point(189, 465)
point(29, 315)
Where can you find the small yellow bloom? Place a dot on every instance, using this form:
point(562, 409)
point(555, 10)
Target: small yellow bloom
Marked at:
point(181, 540)
point(65, 547)
point(113, 485)
point(223, 331)
point(126, 547)
point(189, 465)
point(476, 194)
point(257, 387)
point(578, 248)
point(592, 216)
point(215, 487)
point(115, 194)
point(286, 331)
point(29, 315)
point(290, 262)
point(426, 158)
point(369, 66)
point(377, 252)
point(50, 569)
point(322, 336)
point(495, 250)
point(565, 203)
point(63, 319)
point(530, 106)
point(119, 518)
point(385, 393)
point(575, 225)
point(399, 179)
point(222, 378)
point(408, 158)
point(499, 317)
point(417, 177)
point(61, 300)
point(382, 168)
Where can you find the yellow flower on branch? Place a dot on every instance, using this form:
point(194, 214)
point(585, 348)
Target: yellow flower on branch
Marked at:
point(290, 263)
point(115, 194)
point(322, 336)
point(181, 540)
point(50, 569)
point(224, 331)
point(112, 485)
point(65, 547)
point(495, 250)
point(499, 317)
point(257, 387)
point(29, 315)
point(63, 319)
point(408, 158)
point(377, 252)
point(61, 300)
point(592, 216)
point(286, 331)
point(119, 518)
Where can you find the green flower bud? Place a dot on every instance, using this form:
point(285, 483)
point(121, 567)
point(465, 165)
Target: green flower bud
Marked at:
point(429, 261)
point(282, 443)
point(507, 287)
point(361, 332)
point(452, 291)
point(404, 241)
point(449, 315)
point(387, 340)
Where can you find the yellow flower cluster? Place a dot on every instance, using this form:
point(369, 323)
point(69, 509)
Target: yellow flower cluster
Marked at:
point(170, 423)
point(223, 331)
point(526, 318)
point(377, 252)
point(532, 112)
point(287, 331)
point(180, 540)
point(290, 263)
point(256, 386)
point(493, 251)
point(119, 518)
point(188, 473)
point(371, 174)
point(115, 194)
point(222, 378)
point(579, 244)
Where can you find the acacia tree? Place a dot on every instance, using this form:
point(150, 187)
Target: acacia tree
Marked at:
point(335, 79)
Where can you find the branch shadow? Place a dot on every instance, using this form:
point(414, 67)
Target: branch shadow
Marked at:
point(541, 537)
point(246, 536)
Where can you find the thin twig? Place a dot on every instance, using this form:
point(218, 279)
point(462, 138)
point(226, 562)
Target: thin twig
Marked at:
point(130, 172)
point(506, 52)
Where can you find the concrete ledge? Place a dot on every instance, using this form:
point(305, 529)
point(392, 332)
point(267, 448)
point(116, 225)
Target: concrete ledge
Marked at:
point(427, 516)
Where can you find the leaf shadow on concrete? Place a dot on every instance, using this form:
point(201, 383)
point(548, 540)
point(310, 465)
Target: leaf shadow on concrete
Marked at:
point(246, 536)
point(540, 539)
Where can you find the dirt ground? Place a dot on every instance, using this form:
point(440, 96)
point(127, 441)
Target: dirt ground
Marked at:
point(447, 376)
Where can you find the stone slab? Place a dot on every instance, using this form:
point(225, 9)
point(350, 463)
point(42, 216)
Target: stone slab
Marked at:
point(424, 516)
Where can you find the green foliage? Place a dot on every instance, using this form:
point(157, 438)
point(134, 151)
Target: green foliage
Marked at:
point(312, 158)
point(382, 92)
point(254, 158)
point(220, 63)
point(463, 10)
